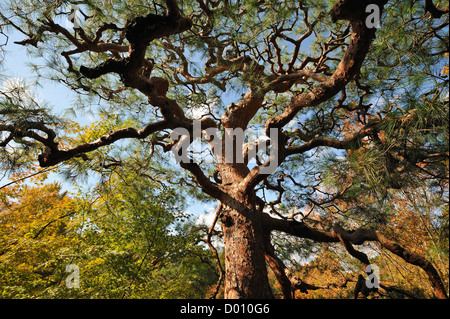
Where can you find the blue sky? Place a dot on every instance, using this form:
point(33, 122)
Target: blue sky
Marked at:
point(15, 65)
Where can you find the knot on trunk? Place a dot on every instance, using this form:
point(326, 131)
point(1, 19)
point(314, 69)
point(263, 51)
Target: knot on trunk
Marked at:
point(226, 220)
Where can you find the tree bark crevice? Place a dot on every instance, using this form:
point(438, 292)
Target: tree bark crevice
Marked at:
point(245, 267)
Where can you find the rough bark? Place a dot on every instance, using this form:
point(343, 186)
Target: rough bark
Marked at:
point(245, 268)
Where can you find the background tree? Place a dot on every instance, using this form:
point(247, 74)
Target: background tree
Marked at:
point(126, 236)
point(359, 113)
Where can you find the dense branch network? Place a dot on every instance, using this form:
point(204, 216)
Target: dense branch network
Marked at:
point(357, 237)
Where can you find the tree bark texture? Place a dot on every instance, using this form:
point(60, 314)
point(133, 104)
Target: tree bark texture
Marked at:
point(245, 267)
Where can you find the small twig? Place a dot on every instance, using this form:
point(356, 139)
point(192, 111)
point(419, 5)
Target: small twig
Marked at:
point(29, 176)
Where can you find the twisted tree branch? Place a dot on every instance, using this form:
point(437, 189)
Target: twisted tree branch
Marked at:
point(358, 237)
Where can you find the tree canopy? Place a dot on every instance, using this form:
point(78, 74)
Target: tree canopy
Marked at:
point(196, 101)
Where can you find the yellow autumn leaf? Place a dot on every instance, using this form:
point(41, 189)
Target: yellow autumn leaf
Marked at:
point(445, 69)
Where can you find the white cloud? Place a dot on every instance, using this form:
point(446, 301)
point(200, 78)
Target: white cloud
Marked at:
point(17, 90)
point(197, 111)
point(291, 125)
point(207, 217)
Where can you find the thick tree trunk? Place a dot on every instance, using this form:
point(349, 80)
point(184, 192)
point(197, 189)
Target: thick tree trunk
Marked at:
point(245, 267)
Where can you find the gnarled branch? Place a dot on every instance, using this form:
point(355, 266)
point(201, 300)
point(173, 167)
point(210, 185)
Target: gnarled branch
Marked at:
point(358, 237)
